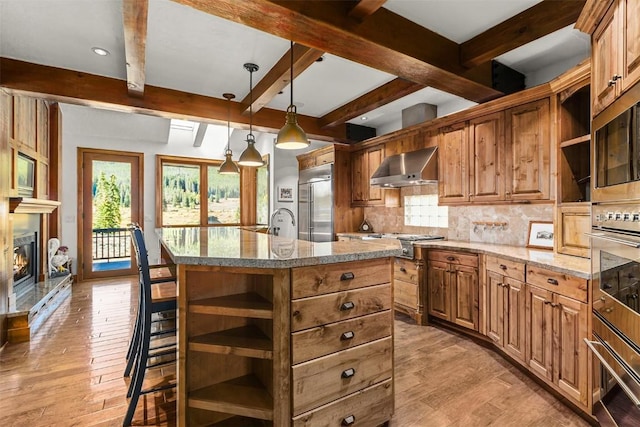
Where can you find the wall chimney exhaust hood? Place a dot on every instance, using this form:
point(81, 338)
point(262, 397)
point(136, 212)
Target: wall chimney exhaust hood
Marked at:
point(412, 168)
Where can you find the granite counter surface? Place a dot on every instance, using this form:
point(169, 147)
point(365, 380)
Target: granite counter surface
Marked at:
point(237, 247)
point(566, 264)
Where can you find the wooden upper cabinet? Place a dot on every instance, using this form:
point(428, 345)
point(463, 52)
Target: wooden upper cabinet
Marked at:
point(364, 163)
point(453, 164)
point(322, 156)
point(24, 122)
point(631, 43)
point(528, 151)
point(486, 153)
point(615, 53)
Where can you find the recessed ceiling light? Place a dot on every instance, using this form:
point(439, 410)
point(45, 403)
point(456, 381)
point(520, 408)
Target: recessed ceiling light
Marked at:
point(100, 51)
point(364, 118)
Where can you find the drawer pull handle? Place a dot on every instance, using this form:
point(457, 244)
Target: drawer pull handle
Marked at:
point(347, 276)
point(552, 282)
point(404, 270)
point(347, 336)
point(348, 373)
point(451, 258)
point(347, 306)
point(503, 267)
point(347, 421)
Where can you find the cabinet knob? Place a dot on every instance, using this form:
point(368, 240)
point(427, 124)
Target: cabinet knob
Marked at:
point(347, 336)
point(552, 282)
point(547, 302)
point(503, 267)
point(347, 421)
point(347, 306)
point(348, 373)
point(404, 270)
point(451, 258)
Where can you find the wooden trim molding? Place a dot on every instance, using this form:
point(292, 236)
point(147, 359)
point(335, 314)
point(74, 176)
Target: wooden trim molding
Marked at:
point(28, 205)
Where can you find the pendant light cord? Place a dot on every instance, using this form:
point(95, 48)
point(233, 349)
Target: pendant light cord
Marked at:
point(291, 83)
point(228, 123)
point(251, 102)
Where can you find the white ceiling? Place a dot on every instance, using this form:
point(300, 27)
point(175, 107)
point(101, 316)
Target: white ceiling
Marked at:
point(191, 51)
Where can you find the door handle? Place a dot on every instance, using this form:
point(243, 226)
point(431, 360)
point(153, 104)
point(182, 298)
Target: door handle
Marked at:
point(347, 421)
point(347, 336)
point(347, 276)
point(347, 306)
point(348, 373)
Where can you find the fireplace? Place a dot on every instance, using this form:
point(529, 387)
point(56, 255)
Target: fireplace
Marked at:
point(25, 263)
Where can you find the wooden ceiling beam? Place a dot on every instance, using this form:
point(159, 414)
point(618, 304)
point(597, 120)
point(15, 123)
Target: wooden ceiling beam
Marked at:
point(279, 76)
point(527, 26)
point(134, 13)
point(388, 92)
point(365, 8)
point(90, 90)
point(384, 41)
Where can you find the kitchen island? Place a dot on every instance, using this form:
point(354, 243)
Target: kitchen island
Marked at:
point(276, 331)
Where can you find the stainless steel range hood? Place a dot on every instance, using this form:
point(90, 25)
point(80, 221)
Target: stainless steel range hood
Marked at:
point(412, 168)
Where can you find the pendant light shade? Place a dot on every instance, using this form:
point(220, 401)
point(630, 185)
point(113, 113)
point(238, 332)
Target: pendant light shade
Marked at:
point(250, 156)
point(228, 167)
point(291, 136)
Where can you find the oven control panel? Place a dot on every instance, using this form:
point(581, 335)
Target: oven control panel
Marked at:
point(618, 216)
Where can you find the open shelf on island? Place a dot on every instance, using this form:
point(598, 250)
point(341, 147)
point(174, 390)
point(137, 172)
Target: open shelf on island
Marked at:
point(247, 341)
point(242, 305)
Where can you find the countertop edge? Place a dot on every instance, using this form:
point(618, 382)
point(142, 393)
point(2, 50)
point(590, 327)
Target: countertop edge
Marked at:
point(511, 253)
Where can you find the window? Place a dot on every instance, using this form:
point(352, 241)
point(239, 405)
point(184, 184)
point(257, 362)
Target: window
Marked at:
point(192, 192)
point(424, 211)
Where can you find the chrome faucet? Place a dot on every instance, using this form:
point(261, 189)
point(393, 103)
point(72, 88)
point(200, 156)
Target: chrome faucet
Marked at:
point(275, 230)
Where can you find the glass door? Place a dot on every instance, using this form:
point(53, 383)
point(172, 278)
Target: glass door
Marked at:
point(110, 185)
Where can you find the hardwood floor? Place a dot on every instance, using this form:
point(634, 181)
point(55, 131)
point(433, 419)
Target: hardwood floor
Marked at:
point(70, 374)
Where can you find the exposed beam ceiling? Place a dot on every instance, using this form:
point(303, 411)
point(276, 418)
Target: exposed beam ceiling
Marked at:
point(134, 13)
point(535, 22)
point(388, 92)
point(385, 40)
point(365, 8)
point(91, 90)
point(279, 75)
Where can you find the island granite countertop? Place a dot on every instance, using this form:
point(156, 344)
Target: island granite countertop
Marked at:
point(235, 247)
point(575, 266)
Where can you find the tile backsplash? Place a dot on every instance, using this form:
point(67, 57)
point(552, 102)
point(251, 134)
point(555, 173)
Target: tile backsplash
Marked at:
point(506, 224)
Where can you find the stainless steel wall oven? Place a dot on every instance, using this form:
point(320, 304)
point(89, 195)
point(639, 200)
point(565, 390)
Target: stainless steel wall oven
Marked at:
point(615, 243)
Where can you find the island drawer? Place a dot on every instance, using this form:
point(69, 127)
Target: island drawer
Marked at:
point(470, 260)
point(505, 267)
point(369, 407)
point(323, 309)
point(331, 377)
point(316, 342)
point(324, 279)
point(405, 269)
point(564, 284)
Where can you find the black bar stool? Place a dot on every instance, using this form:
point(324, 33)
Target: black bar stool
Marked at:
point(155, 297)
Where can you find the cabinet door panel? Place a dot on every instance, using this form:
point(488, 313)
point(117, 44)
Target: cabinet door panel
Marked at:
point(495, 307)
point(358, 165)
point(374, 158)
point(539, 331)
point(570, 371)
point(515, 314)
point(464, 310)
point(631, 48)
point(438, 290)
point(529, 148)
point(453, 169)
point(487, 145)
point(604, 61)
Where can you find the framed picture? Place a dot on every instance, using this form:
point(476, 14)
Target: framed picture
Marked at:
point(540, 235)
point(25, 175)
point(285, 194)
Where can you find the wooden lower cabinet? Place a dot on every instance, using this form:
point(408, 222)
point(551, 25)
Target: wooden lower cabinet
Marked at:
point(556, 352)
point(408, 274)
point(453, 292)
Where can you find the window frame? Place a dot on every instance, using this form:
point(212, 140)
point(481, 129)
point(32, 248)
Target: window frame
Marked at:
point(203, 165)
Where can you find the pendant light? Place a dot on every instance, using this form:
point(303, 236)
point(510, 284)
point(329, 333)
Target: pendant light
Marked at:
point(291, 136)
point(228, 167)
point(250, 156)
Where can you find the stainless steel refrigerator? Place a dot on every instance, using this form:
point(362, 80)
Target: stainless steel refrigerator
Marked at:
point(315, 204)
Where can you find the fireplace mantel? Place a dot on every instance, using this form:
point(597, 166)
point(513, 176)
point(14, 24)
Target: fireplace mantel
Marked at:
point(29, 205)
